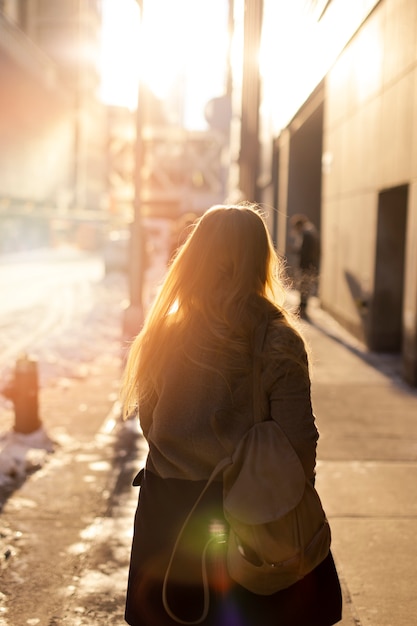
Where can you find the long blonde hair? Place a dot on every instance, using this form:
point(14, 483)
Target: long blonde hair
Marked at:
point(222, 279)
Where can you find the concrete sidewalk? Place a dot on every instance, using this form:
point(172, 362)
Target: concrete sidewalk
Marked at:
point(366, 473)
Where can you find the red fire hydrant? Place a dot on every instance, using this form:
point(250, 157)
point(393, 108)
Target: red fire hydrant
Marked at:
point(22, 390)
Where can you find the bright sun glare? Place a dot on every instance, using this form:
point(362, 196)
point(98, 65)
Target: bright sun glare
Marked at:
point(120, 53)
point(177, 44)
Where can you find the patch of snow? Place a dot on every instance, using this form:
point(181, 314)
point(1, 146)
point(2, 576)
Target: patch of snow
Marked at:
point(22, 454)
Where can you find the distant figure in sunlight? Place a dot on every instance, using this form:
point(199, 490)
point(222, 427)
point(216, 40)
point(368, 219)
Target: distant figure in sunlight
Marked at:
point(307, 248)
point(216, 320)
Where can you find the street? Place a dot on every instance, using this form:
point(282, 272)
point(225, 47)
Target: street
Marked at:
point(65, 534)
point(58, 306)
point(59, 530)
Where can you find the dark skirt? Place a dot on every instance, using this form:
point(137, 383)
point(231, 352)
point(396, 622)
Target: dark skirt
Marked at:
point(163, 505)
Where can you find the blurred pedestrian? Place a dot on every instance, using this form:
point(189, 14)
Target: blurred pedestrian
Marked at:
point(307, 247)
point(190, 374)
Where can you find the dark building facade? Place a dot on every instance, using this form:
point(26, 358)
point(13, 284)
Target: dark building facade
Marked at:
point(337, 141)
point(51, 122)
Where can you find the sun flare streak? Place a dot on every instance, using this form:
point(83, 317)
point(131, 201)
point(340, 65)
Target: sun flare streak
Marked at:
point(174, 48)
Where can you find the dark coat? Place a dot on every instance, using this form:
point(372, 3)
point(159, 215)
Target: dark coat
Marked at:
point(163, 504)
point(310, 249)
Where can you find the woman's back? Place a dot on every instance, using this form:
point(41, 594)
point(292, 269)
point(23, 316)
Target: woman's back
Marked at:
point(190, 373)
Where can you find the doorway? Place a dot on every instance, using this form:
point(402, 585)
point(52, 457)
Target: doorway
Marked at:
point(385, 320)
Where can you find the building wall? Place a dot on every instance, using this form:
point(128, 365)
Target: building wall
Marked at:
point(300, 42)
point(36, 137)
point(299, 175)
point(244, 127)
point(52, 126)
point(369, 148)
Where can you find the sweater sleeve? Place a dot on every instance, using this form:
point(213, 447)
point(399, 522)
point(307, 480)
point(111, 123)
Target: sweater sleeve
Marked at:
point(287, 383)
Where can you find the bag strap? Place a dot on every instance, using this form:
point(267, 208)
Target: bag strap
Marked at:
point(206, 593)
point(259, 340)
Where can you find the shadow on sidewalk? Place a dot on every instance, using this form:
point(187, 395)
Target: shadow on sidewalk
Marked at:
point(129, 449)
point(387, 363)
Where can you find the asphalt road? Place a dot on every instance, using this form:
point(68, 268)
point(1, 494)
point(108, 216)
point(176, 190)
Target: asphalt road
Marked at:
point(43, 293)
point(58, 535)
point(60, 308)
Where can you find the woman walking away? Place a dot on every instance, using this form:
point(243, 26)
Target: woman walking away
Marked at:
point(190, 372)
